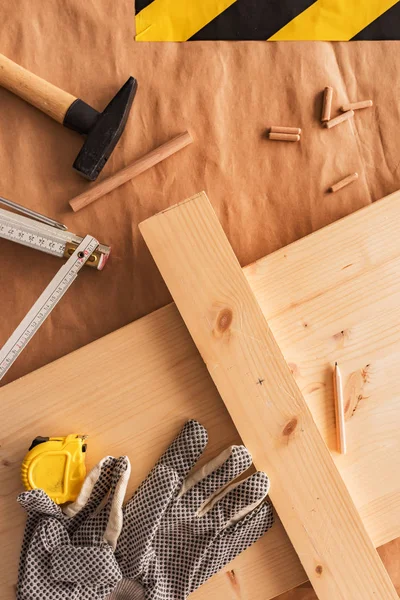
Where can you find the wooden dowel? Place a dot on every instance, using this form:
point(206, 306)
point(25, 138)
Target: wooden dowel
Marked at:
point(284, 137)
point(279, 129)
point(356, 105)
point(327, 104)
point(136, 168)
point(339, 411)
point(340, 119)
point(341, 184)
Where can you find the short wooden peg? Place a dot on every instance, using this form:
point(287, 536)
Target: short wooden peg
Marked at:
point(356, 105)
point(327, 104)
point(340, 119)
point(284, 137)
point(279, 129)
point(343, 182)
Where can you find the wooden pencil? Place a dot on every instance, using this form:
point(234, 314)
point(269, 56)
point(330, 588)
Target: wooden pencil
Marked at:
point(356, 105)
point(340, 119)
point(339, 410)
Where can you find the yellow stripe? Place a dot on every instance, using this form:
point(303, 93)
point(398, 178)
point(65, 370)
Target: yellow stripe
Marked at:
point(176, 20)
point(333, 20)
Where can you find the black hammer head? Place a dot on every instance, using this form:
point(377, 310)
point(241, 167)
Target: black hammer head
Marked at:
point(103, 130)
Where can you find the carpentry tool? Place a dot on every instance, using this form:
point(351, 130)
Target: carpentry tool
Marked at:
point(136, 168)
point(103, 129)
point(45, 234)
point(56, 465)
point(45, 303)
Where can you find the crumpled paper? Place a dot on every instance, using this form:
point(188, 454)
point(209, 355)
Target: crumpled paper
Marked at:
point(266, 194)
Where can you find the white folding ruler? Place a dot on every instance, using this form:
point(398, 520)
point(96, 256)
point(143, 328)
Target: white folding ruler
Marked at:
point(42, 233)
point(45, 303)
point(37, 231)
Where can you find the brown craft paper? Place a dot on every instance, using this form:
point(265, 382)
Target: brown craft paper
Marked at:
point(266, 193)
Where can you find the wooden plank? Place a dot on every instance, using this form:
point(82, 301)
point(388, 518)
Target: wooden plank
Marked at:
point(345, 306)
point(308, 304)
point(267, 407)
point(161, 382)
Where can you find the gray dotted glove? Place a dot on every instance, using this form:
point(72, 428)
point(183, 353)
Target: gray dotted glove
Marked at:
point(179, 530)
point(69, 554)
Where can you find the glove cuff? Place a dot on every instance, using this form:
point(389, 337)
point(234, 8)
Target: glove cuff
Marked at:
point(127, 589)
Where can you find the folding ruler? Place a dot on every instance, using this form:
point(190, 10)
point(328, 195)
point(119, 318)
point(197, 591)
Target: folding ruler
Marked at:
point(42, 233)
point(52, 237)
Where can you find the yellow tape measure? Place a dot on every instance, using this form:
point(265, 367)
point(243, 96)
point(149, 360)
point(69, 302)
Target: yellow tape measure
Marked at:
point(57, 466)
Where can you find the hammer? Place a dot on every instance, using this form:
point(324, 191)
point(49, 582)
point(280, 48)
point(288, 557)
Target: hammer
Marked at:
point(103, 130)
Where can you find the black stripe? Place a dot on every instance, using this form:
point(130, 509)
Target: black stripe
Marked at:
point(385, 27)
point(252, 19)
point(141, 4)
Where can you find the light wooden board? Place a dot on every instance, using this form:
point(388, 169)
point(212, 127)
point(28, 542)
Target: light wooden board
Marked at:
point(334, 295)
point(246, 364)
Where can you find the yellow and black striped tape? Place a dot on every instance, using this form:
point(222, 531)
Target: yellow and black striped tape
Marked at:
point(182, 20)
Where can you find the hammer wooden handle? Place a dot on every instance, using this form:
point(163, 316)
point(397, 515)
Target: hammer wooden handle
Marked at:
point(131, 171)
point(46, 97)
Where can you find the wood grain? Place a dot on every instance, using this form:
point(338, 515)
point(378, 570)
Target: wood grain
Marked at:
point(133, 170)
point(344, 305)
point(267, 407)
point(40, 93)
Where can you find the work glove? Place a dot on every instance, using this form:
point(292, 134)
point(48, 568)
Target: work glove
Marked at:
point(68, 554)
point(179, 530)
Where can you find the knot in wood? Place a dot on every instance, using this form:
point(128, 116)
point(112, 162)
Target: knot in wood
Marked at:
point(224, 320)
point(319, 569)
point(290, 427)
